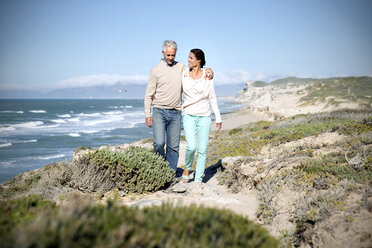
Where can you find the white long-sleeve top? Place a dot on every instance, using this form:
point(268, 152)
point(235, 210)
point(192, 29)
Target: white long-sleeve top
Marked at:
point(199, 96)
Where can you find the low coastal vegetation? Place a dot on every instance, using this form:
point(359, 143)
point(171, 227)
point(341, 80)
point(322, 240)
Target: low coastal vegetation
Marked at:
point(33, 222)
point(250, 139)
point(30, 217)
point(352, 89)
point(306, 170)
point(134, 170)
point(286, 160)
point(137, 170)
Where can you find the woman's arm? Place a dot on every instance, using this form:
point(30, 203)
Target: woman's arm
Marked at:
point(213, 102)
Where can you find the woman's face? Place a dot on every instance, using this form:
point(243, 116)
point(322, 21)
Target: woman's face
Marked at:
point(192, 61)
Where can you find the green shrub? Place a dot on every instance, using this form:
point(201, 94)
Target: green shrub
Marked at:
point(81, 148)
point(161, 226)
point(295, 132)
point(135, 170)
point(355, 128)
point(13, 213)
point(335, 165)
point(357, 89)
point(342, 115)
point(20, 184)
point(235, 145)
point(235, 131)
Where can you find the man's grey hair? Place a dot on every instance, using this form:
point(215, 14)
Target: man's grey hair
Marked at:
point(169, 43)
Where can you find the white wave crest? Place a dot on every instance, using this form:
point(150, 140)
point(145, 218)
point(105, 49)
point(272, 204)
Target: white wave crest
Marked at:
point(64, 116)
point(113, 113)
point(5, 145)
point(74, 119)
point(51, 157)
point(28, 141)
point(107, 119)
point(29, 124)
point(49, 126)
point(74, 134)
point(58, 121)
point(37, 111)
point(6, 129)
point(90, 115)
point(11, 112)
point(90, 131)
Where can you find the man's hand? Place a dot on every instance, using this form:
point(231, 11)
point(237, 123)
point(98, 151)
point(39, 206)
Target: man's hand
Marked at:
point(218, 126)
point(149, 121)
point(209, 73)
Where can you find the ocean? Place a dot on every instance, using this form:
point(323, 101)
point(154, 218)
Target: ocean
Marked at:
point(35, 133)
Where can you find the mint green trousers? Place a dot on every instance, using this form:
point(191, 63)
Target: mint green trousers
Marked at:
point(193, 125)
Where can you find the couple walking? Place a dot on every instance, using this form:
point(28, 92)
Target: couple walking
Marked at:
point(167, 80)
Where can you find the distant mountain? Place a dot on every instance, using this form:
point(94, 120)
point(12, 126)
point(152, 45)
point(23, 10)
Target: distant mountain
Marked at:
point(117, 91)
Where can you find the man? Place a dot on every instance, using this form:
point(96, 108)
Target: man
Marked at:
point(164, 93)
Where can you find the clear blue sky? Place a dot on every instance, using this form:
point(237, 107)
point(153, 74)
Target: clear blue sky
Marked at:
point(46, 44)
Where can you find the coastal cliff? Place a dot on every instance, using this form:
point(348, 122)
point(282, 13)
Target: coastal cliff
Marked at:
point(290, 96)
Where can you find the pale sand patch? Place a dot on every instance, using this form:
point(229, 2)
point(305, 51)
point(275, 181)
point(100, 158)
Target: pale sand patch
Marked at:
point(242, 117)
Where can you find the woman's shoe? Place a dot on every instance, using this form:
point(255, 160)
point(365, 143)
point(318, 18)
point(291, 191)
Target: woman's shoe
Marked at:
point(185, 178)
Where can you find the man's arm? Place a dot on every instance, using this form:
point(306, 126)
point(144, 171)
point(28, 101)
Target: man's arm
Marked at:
point(149, 96)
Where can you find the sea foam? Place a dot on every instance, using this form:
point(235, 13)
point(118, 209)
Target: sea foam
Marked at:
point(5, 145)
point(27, 141)
point(37, 111)
point(74, 134)
point(11, 112)
point(64, 116)
point(29, 124)
point(51, 157)
point(58, 121)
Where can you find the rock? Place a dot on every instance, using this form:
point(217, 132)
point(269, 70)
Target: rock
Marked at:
point(179, 188)
point(227, 162)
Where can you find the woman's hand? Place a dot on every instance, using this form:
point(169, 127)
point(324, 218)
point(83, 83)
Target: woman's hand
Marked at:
point(218, 126)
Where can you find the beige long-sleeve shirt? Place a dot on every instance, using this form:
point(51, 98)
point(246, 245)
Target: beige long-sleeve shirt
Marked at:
point(164, 88)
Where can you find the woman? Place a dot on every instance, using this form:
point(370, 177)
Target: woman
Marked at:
point(199, 96)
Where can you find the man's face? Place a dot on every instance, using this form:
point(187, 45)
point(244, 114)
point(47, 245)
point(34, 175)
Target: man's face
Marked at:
point(169, 55)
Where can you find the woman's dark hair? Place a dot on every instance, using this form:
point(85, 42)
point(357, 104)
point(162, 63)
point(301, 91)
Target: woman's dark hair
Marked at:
point(199, 54)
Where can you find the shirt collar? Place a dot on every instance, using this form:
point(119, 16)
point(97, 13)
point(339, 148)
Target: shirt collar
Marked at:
point(174, 62)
